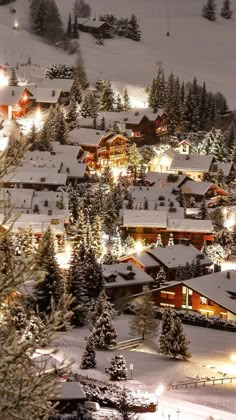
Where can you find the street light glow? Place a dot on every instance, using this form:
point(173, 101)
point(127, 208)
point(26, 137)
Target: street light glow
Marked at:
point(159, 390)
point(3, 79)
point(138, 246)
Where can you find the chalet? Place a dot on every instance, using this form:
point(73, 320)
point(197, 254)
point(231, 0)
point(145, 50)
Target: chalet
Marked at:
point(162, 162)
point(185, 147)
point(122, 280)
point(97, 28)
point(38, 179)
point(162, 179)
point(139, 123)
point(67, 396)
point(170, 258)
point(15, 101)
point(212, 294)
point(147, 224)
point(65, 85)
point(199, 190)
point(105, 148)
point(44, 97)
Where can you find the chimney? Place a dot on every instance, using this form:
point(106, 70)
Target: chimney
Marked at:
point(12, 92)
point(187, 157)
point(53, 93)
point(228, 274)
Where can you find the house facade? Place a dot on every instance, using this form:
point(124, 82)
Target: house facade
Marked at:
point(15, 101)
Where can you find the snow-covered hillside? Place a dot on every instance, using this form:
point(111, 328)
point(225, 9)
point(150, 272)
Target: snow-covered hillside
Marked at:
point(195, 46)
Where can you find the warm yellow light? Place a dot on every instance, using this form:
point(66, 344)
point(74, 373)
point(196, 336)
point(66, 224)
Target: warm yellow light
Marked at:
point(138, 246)
point(16, 24)
point(25, 97)
point(3, 79)
point(159, 390)
point(233, 357)
point(38, 116)
point(64, 258)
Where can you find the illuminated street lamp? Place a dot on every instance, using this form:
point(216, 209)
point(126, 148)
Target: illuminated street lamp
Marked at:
point(138, 246)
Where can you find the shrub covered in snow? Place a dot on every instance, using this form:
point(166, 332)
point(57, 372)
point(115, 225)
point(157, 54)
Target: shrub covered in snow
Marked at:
point(117, 368)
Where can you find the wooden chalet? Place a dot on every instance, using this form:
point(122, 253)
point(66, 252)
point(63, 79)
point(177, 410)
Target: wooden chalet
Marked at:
point(97, 28)
point(15, 101)
point(212, 294)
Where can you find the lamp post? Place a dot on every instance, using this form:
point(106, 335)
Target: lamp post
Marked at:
point(178, 413)
point(131, 368)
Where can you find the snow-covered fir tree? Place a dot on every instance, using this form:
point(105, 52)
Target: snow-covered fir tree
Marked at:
point(160, 277)
point(52, 26)
point(159, 240)
point(117, 249)
point(181, 198)
point(209, 10)
point(108, 258)
point(217, 253)
point(203, 210)
point(60, 71)
point(80, 71)
point(51, 290)
point(75, 31)
point(32, 136)
point(107, 99)
point(104, 332)
point(117, 368)
point(191, 115)
point(60, 133)
point(88, 360)
point(171, 240)
point(98, 243)
point(133, 31)
point(71, 116)
point(110, 218)
point(92, 273)
point(118, 104)
point(178, 346)
point(13, 81)
point(203, 110)
point(26, 242)
point(134, 157)
point(157, 93)
point(69, 27)
point(76, 286)
point(96, 308)
point(166, 326)
point(144, 323)
point(126, 100)
point(80, 227)
point(76, 91)
point(226, 11)
point(81, 9)
point(88, 105)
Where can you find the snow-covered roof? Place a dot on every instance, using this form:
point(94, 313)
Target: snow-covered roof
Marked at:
point(218, 287)
point(62, 84)
point(38, 222)
point(133, 116)
point(196, 225)
point(147, 218)
point(91, 23)
point(17, 197)
point(225, 167)
point(127, 274)
point(199, 163)
point(161, 178)
point(177, 255)
point(43, 177)
point(46, 95)
point(154, 195)
point(85, 122)
point(10, 95)
point(69, 391)
point(63, 150)
point(144, 259)
point(196, 188)
point(86, 136)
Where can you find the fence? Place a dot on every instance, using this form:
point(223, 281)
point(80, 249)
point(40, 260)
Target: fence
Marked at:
point(122, 345)
point(185, 385)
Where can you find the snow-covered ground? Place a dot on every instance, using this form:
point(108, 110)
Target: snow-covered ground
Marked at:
point(211, 350)
point(195, 46)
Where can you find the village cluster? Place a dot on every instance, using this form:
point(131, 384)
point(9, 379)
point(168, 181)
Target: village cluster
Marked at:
point(107, 209)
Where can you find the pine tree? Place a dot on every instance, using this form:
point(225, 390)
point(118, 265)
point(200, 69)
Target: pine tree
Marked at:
point(203, 110)
point(76, 91)
point(88, 360)
point(97, 307)
point(32, 136)
point(211, 105)
point(89, 105)
point(123, 406)
point(181, 198)
point(71, 116)
point(166, 326)
point(69, 27)
point(81, 9)
point(160, 277)
point(27, 242)
point(192, 108)
point(159, 240)
point(110, 218)
point(53, 26)
point(97, 238)
point(60, 129)
point(118, 104)
point(92, 274)
point(51, 290)
point(169, 107)
point(77, 287)
point(209, 10)
point(130, 201)
point(226, 11)
point(144, 323)
point(203, 210)
point(75, 31)
point(108, 258)
point(13, 81)
point(103, 124)
point(171, 240)
point(107, 101)
point(134, 157)
point(117, 249)
point(178, 342)
point(104, 332)
point(80, 72)
point(126, 100)
point(133, 32)
point(117, 368)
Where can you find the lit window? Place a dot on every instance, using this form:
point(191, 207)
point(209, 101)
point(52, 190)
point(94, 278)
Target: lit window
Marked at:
point(203, 300)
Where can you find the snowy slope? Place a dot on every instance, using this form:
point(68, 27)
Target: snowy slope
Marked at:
point(195, 46)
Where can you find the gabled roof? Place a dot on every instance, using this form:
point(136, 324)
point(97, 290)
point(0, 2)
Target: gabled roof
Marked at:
point(177, 255)
point(226, 167)
point(63, 84)
point(217, 287)
point(137, 218)
point(196, 188)
point(119, 274)
point(92, 23)
point(46, 95)
point(86, 136)
point(162, 177)
point(198, 163)
point(191, 225)
point(10, 95)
